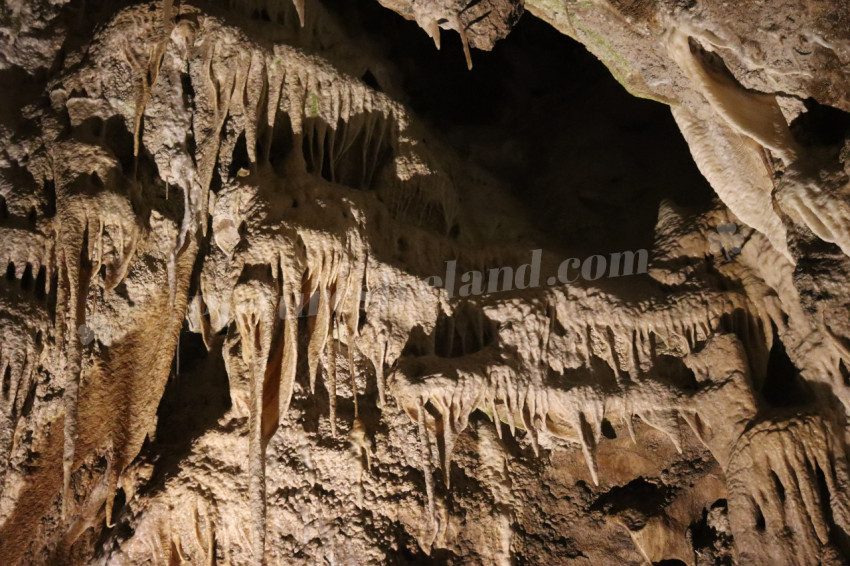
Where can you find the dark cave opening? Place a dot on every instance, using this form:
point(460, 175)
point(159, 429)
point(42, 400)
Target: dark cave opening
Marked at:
point(640, 494)
point(349, 153)
point(708, 535)
point(196, 379)
point(783, 386)
point(463, 333)
point(196, 396)
point(836, 533)
point(240, 159)
point(821, 125)
point(543, 114)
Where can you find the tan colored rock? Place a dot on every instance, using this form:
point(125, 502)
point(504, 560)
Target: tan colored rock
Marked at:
point(221, 341)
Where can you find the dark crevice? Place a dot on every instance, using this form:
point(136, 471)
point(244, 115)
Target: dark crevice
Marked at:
point(838, 536)
point(635, 501)
point(7, 381)
point(608, 430)
point(760, 524)
point(418, 343)
point(777, 485)
point(196, 396)
point(712, 544)
point(845, 373)
point(278, 142)
point(465, 332)
point(673, 370)
point(50, 200)
point(821, 125)
point(351, 152)
point(29, 400)
point(783, 386)
point(120, 140)
point(27, 279)
point(371, 81)
point(239, 159)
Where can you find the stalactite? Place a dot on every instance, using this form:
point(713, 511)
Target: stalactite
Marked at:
point(72, 291)
point(255, 308)
point(752, 114)
point(667, 422)
point(465, 41)
point(299, 7)
point(425, 458)
point(319, 331)
point(352, 370)
point(331, 373)
point(289, 364)
point(286, 228)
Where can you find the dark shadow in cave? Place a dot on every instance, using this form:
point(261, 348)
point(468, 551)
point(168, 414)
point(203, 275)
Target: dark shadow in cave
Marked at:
point(196, 396)
point(783, 386)
point(590, 161)
point(821, 125)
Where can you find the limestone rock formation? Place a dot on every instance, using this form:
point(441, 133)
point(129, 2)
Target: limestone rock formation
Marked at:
point(285, 284)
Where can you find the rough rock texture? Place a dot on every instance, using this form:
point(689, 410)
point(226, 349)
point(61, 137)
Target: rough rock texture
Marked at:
point(221, 337)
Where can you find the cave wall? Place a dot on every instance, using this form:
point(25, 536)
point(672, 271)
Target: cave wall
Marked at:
point(227, 335)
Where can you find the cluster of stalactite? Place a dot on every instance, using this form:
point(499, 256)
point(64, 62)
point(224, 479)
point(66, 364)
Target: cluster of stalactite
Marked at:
point(302, 191)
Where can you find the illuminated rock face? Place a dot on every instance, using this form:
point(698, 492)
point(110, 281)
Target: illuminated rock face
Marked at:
point(228, 334)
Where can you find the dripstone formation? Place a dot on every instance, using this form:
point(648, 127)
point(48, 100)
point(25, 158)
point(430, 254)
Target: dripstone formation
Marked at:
point(226, 334)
